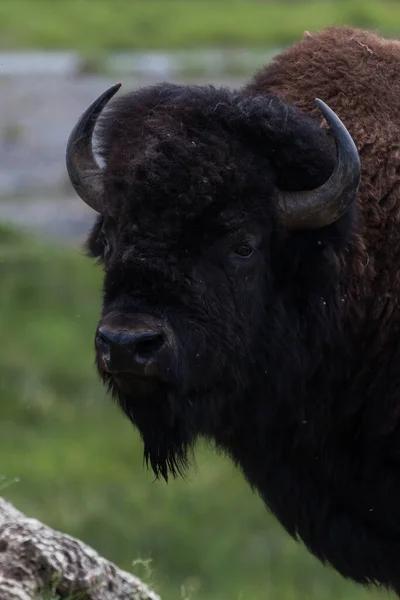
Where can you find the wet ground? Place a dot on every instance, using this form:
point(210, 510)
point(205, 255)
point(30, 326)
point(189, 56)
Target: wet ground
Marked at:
point(39, 105)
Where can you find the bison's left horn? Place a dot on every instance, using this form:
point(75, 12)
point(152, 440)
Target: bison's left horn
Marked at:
point(326, 204)
point(84, 172)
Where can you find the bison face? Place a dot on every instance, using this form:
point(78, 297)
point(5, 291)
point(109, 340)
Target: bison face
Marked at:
point(179, 322)
point(202, 217)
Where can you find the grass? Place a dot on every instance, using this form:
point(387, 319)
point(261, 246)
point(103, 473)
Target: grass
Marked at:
point(95, 26)
point(79, 462)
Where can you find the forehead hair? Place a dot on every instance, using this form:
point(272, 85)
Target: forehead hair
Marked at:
point(173, 154)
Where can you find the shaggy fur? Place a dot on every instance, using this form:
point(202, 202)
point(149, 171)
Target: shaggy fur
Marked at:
point(290, 359)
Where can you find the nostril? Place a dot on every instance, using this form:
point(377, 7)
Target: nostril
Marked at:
point(147, 345)
point(103, 349)
point(101, 343)
point(103, 335)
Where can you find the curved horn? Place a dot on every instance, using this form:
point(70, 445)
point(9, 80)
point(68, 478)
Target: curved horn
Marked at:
point(83, 169)
point(326, 204)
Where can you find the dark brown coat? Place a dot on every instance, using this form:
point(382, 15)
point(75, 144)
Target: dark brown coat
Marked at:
point(281, 344)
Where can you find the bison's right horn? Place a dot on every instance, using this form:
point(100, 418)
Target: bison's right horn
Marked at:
point(326, 204)
point(84, 172)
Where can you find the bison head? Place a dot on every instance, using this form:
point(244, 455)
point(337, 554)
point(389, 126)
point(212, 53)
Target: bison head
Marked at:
point(220, 217)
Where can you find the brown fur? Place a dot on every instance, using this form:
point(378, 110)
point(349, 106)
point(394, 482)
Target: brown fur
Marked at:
point(357, 73)
point(289, 360)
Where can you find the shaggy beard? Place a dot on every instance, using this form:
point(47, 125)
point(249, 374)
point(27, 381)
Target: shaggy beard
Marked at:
point(167, 454)
point(164, 422)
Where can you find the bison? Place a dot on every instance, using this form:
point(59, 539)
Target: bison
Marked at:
point(250, 241)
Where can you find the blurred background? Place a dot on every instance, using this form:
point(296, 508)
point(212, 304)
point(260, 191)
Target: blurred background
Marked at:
point(67, 456)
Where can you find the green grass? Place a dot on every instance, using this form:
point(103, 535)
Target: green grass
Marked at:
point(79, 462)
point(103, 25)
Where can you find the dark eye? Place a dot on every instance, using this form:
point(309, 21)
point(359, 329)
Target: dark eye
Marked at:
point(244, 250)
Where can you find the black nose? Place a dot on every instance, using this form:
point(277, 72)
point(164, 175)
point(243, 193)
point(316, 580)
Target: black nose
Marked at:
point(123, 350)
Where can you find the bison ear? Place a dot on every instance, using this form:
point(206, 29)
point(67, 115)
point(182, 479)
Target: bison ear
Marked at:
point(302, 210)
point(83, 170)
